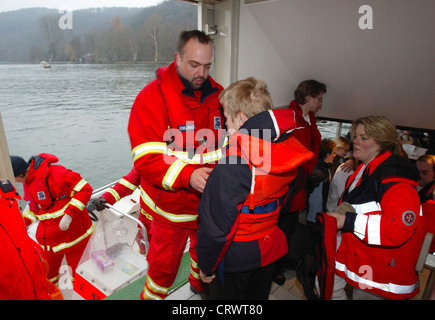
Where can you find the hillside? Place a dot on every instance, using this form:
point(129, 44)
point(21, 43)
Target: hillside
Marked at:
point(105, 34)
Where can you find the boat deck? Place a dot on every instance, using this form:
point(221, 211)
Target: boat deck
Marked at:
point(290, 290)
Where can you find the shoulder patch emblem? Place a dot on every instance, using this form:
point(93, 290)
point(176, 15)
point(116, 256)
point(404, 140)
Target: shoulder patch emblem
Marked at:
point(41, 195)
point(217, 123)
point(408, 218)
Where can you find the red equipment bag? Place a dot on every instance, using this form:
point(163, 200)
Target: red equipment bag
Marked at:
point(326, 253)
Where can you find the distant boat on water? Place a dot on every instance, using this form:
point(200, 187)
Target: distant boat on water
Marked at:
point(45, 65)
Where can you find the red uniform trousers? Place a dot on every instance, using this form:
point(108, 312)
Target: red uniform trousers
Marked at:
point(72, 256)
point(164, 258)
point(146, 220)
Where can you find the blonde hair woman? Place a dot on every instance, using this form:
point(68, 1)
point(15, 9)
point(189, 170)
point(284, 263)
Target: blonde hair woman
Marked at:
point(380, 240)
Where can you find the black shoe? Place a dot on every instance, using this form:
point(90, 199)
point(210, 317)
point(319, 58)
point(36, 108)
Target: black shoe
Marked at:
point(203, 294)
point(279, 279)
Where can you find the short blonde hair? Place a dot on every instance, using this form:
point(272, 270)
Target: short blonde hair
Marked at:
point(342, 142)
point(381, 130)
point(249, 96)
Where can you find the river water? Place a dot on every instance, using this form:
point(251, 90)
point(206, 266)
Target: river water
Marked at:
point(79, 112)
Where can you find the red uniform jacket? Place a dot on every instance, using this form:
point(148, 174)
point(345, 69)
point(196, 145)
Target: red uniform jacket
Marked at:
point(380, 243)
point(22, 274)
point(124, 187)
point(53, 191)
point(167, 124)
point(308, 134)
point(239, 208)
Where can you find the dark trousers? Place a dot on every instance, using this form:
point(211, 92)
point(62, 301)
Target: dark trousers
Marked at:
point(288, 223)
point(250, 285)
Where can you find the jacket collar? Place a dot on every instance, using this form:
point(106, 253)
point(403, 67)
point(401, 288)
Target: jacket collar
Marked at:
point(206, 89)
point(167, 75)
point(39, 166)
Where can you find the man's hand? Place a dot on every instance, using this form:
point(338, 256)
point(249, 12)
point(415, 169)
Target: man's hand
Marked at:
point(100, 204)
point(206, 279)
point(199, 178)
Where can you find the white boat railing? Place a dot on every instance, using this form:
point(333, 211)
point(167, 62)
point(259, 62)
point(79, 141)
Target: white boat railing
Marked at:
point(122, 214)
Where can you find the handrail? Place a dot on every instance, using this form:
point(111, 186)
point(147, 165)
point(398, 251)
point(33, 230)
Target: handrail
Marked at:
point(123, 214)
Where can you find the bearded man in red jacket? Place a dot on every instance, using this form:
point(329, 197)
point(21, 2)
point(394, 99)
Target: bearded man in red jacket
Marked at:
point(174, 130)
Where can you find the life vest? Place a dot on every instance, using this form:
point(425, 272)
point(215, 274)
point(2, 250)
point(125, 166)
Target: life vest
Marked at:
point(42, 198)
point(273, 167)
point(68, 193)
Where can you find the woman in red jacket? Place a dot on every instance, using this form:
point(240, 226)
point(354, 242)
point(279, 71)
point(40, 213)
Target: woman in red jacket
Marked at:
point(308, 101)
point(57, 197)
point(381, 240)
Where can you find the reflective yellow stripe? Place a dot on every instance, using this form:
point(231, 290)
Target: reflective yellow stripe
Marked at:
point(114, 194)
point(147, 295)
point(195, 274)
point(193, 268)
point(77, 203)
point(162, 148)
point(70, 244)
point(170, 216)
point(127, 184)
point(212, 156)
point(30, 215)
point(55, 279)
point(53, 215)
point(156, 288)
point(182, 159)
point(59, 213)
point(45, 248)
point(172, 174)
point(147, 148)
point(194, 263)
point(207, 157)
point(79, 186)
point(148, 216)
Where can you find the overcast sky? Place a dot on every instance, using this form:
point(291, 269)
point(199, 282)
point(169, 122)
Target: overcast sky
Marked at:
point(9, 5)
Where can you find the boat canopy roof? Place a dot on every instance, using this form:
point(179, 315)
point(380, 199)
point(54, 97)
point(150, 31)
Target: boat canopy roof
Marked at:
point(376, 57)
